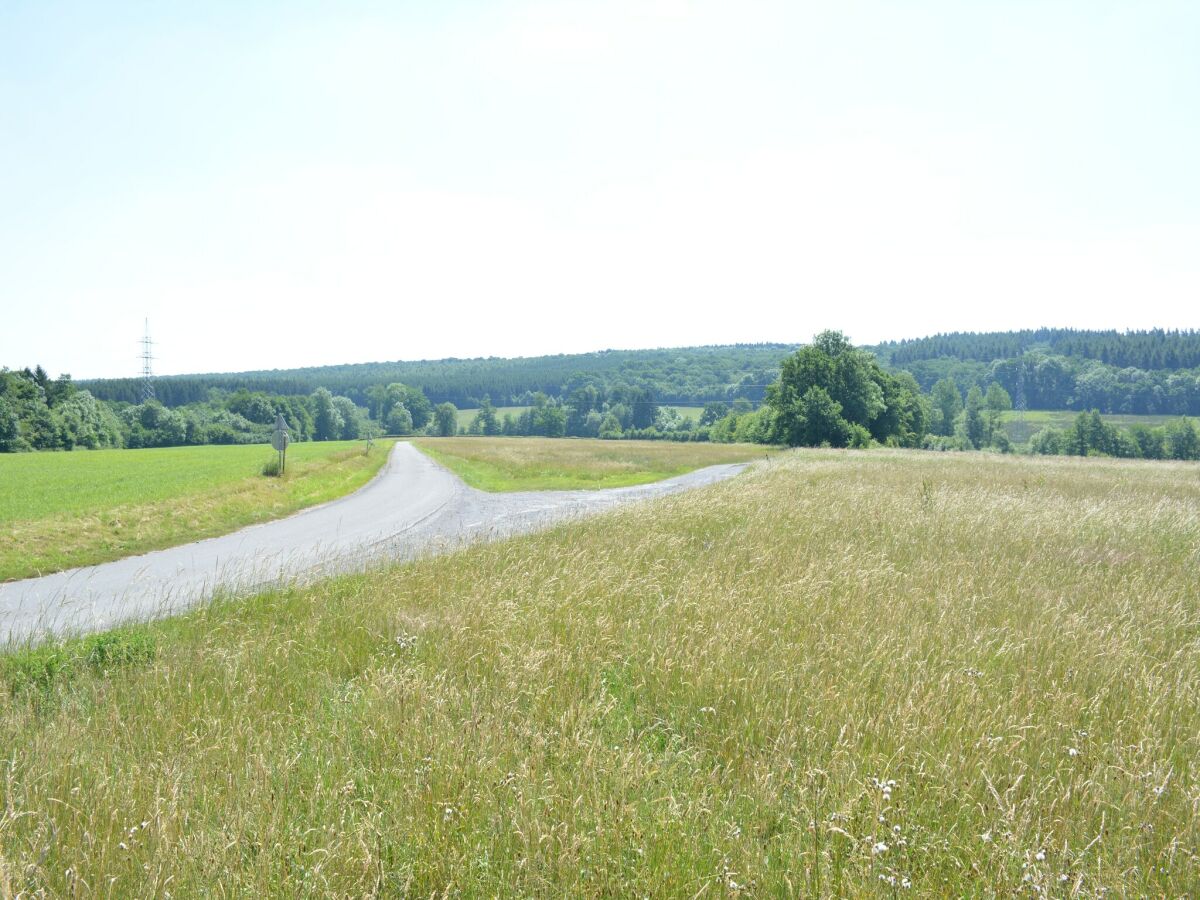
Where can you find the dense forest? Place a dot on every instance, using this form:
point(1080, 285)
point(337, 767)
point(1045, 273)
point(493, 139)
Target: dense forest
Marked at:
point(683, 376)
point(1154, 350)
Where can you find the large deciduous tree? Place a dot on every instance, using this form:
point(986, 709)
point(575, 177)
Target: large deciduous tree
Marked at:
point(831, 393)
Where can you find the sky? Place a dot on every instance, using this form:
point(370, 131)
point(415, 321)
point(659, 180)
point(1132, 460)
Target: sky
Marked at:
point(299, 183)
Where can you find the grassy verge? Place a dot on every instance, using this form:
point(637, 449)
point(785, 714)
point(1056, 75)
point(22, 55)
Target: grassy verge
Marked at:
point(839, 674)
point(530, 464)
point(60, 510)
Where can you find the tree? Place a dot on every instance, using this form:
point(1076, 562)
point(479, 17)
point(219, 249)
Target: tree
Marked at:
point(997, 402)
point(713, 412)
point(351, 416)
point(445, 420)
point(821, 419)
point(399, 420)
point(947, 404)
point(327, 421)
point(1182, 441)
point(10, 428)
point(610, 427)
point(829, 386)
point(973, 421)
point(485, 421)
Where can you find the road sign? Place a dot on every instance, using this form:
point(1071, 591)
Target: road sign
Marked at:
point(280, 440)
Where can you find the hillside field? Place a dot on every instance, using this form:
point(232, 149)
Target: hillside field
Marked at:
point(60, 510)
point(1024, 424)
point(532, 464)
point(839, 673)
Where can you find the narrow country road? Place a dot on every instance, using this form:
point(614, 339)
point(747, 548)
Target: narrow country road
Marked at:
point(413, 506)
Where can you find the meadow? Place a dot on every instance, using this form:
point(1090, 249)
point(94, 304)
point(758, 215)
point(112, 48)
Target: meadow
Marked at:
point(840, 673)
point(60, 510)
point(1021, 425)
point(529, 464)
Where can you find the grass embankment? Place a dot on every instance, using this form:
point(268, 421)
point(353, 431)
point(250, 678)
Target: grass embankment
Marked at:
point(60, 510)
point(531, 464)
point(838, 671)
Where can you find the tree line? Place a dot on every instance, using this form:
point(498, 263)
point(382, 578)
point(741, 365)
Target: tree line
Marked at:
point(685, 376)
point(828, 393)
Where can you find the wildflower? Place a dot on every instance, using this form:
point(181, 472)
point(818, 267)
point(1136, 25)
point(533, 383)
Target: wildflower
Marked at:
point(879, 847)
point(895, 829)
point(986, 837)
point(905, 883)
point(1040, 855)
point(1072, 752)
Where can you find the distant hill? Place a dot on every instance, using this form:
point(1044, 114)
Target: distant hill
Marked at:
point(684, 375)
point(1152, 350)
point(1154, 372)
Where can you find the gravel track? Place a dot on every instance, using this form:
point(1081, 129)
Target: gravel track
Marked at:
point(412, 507)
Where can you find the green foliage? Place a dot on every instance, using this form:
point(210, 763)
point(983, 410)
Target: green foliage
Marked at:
point(829, 386)
point(48, 668)
point(327, 421)
point(1090, 435)
point(947, 404)
point(485, 422)
point(445, 422)
point(398, 420)
point(973, 422)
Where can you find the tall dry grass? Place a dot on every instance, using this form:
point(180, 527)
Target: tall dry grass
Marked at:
point(840, 673)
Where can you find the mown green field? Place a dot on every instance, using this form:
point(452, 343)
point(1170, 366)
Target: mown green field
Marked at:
point(1022, 425)
point(59, 510)
point(839, 674)
point(530, 464)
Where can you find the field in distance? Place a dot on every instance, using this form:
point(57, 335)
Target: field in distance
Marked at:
point(530, 464)
point(1024, 424)
point(466, 415)
point(61, 510)
point(839, 674)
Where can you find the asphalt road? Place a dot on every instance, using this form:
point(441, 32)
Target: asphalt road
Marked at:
point(412, 507)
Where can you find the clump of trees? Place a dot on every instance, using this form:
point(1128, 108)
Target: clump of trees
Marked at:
point(1090, 435)
point(830, 393)
point(974, 424)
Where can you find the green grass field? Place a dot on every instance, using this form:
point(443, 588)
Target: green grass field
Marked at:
point(466, 415)
point(839, 674)
point(59, 510)
point(528, 464)
point(1023, 425)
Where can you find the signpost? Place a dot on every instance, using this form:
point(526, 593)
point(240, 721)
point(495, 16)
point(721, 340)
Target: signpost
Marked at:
point(280, 440)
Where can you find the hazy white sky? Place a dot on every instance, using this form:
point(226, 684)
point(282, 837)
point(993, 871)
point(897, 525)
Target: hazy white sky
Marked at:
point(292, 183)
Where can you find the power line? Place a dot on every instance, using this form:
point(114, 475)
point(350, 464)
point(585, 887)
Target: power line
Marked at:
point(147, 357)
